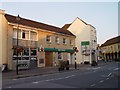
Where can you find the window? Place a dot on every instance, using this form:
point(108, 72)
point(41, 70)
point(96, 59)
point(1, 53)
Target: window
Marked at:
point(56, 39)
point(48, 39)
point(25, 34)
point(15, 33)
point(71, 43)
point(60, 56)
point(33, 35)
point(33, 52)
point(64, 41)
point(25, 52)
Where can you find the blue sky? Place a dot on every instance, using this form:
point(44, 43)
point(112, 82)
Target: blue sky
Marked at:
point(102, 15)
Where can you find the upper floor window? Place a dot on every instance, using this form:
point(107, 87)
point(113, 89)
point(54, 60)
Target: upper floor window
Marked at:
point(56, 39)
point(48, 39)
point(15, 33)
point(25, 34)
point(64, 41)
point(33, 35)
point(71, 43)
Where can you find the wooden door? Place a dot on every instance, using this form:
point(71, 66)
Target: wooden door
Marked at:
point(48, 59)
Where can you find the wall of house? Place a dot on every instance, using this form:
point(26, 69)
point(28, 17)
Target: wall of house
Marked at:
point(3, 33)
point(111, 52)
point(42, 42)
point(83, 33)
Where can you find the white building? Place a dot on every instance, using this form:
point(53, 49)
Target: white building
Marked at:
point(86, 40)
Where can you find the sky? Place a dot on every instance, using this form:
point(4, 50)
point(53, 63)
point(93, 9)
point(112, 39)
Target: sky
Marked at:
point(102, 15)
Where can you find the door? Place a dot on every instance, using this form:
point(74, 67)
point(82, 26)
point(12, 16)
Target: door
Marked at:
point(69, 58)
point(48, 59)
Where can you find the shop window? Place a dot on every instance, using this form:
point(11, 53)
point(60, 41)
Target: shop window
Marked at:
point(48, 39)
point(60, 56)
point(33, 52)
point(25, 52)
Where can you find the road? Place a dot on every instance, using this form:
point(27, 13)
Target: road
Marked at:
point(105, 76)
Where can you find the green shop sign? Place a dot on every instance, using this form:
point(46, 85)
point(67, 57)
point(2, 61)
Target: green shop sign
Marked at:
point(59, 50)
point(85, 43)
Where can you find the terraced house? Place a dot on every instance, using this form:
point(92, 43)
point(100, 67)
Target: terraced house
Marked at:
point(40, 45)
point(111, 49)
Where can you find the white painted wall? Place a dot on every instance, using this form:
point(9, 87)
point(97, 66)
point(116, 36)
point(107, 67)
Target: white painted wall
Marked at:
point(83, 32)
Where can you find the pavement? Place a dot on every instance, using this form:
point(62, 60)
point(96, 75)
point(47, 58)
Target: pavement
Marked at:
point(42, 71)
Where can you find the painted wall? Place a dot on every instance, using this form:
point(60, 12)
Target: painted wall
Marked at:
point(3, 39)
point(83, 33)
point(41, 42)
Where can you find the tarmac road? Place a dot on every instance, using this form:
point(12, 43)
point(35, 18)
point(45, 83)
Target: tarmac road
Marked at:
point(105, 76)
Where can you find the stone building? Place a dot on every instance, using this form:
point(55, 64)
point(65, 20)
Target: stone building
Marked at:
point(39, 44)
point(111, 49)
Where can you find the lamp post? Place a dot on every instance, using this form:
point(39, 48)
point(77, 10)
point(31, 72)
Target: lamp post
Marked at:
point(18, 19)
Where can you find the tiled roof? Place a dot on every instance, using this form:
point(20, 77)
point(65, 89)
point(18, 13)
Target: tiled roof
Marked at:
point(31, 23)
point(66, 26)
point(112, 41)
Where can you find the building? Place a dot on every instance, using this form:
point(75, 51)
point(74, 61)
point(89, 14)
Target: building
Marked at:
point(86, 40)
point(40, 45)
point(111, 49)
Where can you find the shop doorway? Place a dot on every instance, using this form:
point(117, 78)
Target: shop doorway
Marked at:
point(48, 59)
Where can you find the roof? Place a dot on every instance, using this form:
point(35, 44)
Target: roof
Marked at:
point(112, 41)
point(66, 26)
point(31, 23)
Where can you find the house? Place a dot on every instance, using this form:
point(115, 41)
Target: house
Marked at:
point(39, 44)
point(86, 40)
point(111, 49)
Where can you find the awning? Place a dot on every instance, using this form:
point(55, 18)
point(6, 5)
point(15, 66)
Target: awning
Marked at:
point(59, 50)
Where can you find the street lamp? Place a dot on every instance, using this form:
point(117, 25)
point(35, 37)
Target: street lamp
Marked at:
point(18, 19)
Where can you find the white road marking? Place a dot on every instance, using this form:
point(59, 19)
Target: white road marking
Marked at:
point(52, 79)
point(109, 74)
point(92, 85)
point(9, 87)
point(116, 69)
point(107, 78)
point(69, 76)
point(35, 82)
point(15, 79)
point(101, 81)
point(59, 78)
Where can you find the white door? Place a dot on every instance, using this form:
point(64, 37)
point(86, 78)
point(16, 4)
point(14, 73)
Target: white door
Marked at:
point(69, 58)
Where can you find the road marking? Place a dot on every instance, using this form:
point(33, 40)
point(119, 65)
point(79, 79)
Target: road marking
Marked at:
point(116, 69)
point(35, 82)
point(9, 87)
point(15, 79)
point(69, 76)
point(101, 81)
point(109, 74)
point(107, 78)
point(59, 78)
point(92, 85)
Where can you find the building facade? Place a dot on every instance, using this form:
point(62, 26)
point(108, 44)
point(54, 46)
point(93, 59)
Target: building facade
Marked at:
point(40, 45)
point(86, 40)
point(111, 49)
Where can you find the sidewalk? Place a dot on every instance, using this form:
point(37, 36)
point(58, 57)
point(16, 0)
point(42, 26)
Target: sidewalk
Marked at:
point(40, 71)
